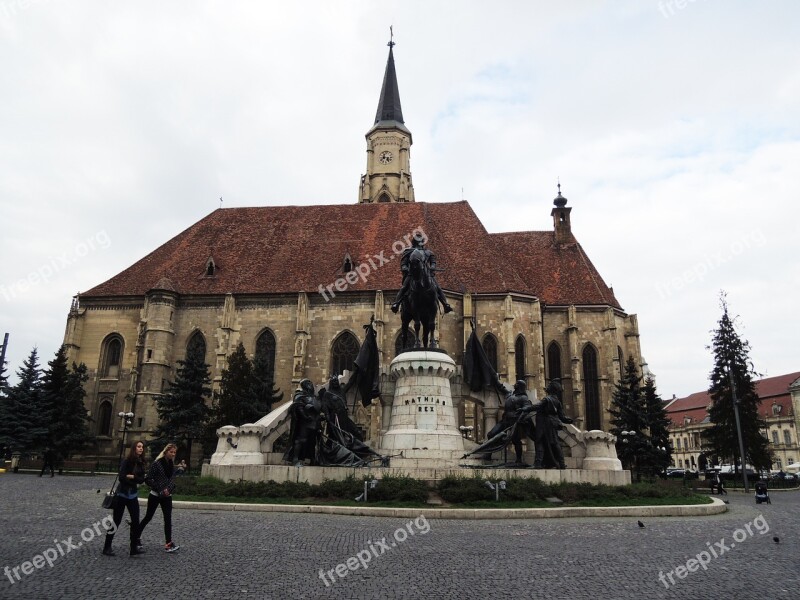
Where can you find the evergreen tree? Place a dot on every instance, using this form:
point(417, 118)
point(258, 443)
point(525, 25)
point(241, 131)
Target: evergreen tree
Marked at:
point(182, 411)
point(236, 402)
point(54, 382)
point(266, 392)
point(629, 415)
point(25, 424)
point(658, 427)
point(244, 396)
point(62, 402)
point(732, 362)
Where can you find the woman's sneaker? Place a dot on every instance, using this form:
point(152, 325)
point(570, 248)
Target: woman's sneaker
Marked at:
point(171, 547)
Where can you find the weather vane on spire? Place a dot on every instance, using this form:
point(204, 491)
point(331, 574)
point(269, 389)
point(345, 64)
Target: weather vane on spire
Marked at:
point(391, 37)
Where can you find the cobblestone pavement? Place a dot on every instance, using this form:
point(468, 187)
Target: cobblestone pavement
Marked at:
point(273, 555)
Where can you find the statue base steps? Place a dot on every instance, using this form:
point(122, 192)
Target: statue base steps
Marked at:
point(316, 475)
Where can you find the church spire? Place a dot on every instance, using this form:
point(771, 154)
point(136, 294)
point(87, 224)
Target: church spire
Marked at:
point(389, 104)
point(388, 176)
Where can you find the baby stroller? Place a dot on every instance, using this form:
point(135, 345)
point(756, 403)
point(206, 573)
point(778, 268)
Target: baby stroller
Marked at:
point(761, 493)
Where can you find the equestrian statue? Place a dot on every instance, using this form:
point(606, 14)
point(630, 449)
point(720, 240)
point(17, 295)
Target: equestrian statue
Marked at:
point(420, 294)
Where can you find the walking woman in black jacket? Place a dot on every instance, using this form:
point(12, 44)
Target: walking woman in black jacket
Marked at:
point(131, 474)
point(161, 481)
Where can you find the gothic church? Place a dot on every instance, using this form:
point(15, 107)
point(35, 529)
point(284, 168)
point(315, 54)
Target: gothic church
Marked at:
point(259, 276)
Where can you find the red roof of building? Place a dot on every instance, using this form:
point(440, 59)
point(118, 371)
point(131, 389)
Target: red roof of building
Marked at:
point(286, 249)
point(771, 390)
point(561, 273)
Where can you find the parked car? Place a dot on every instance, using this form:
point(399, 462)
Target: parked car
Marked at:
point(785, 477)
point(682, 474)
point(727, 472)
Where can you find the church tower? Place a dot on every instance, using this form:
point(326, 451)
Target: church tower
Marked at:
point(388, 176)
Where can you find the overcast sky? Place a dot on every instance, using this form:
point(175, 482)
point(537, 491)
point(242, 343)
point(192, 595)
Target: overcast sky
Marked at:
point(674, 127)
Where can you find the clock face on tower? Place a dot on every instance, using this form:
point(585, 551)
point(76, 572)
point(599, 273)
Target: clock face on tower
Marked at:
point(385, 157)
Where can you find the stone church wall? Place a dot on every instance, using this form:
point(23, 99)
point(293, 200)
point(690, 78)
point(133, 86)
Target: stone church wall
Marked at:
point(305, 328)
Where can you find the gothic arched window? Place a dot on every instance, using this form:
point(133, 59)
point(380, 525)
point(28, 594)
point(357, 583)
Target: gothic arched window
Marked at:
point(490, 348)
point(196, 346)
point(519, 358)
point(104, 418)
point(553, 361)
point(112, 356)
point(264, 358)
point(591, 388)
point(343, 353)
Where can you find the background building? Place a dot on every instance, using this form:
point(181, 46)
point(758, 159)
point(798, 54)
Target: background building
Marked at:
point(779, 407)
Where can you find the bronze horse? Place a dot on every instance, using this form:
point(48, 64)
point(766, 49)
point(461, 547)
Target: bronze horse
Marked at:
point(421, 304)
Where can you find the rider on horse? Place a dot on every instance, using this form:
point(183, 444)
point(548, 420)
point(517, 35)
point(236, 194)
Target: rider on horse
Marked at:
point(418, 243)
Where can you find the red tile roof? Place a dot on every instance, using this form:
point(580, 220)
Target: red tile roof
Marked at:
point(562, 274)
point(770, 390)
point(286, 249)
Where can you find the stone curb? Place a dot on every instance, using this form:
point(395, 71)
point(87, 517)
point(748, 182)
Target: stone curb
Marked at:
point(670, 510)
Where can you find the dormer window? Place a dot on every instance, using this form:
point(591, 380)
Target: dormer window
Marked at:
point(211, 267)
point(687, 420)
point(776, 409)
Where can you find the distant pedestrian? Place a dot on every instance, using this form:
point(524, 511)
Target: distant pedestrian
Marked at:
point(161, 481)
point(721, 487)
point(131, 473)
point(49, 462)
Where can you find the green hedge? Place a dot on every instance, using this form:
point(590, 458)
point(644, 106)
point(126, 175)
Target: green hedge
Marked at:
point(395, 489)
point(464, 490)
point(452, 489)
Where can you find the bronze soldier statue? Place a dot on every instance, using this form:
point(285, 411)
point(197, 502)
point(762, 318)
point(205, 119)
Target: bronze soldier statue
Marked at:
point(549, 419)
point(305, 413)
point(516, 413)
point(334, 408)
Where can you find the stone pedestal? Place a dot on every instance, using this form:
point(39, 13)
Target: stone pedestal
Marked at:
point(226, 440)
point(248, 447)
point(601, 454)
point(423, 418)
point(239, 445)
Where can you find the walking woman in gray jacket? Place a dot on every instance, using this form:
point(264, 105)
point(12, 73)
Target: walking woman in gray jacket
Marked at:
point(161, 481)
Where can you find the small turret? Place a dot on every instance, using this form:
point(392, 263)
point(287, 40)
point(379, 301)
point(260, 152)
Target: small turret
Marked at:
point(560, 214)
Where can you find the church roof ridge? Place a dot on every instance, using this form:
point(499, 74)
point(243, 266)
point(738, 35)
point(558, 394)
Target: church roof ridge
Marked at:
point(287, 249)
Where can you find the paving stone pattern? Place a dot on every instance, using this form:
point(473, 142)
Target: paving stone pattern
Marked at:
point(273, 555)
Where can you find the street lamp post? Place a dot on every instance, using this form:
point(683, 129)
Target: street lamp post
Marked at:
point(627, 437)
point(738, 427)
point(127, 421)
